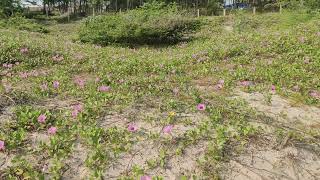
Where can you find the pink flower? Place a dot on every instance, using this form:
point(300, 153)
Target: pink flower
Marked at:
point(104, 88)
point(145, 177)
point(167, 129)
point(273, 88)
point(5, 65)
point(314, 94)
point(78, 107)
point(132, 128)
point(218, 86)
point(201, 107)
point(44, 87)
point(24, 50)
point(9, 66)
point(80, 82)
point(221, 81)
point(23, 74)
point(76, 110)
point(74, 113)
point(42, 118)
point(2, 145)
point(52, 130)
point(56, 84)
point(97, 79)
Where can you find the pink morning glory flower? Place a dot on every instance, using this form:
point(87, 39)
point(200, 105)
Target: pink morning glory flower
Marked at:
point(80, 82)
point(218, 86)
point(132, 128)
point(273, 88)
point(56, 84)
point(52, 130)
point(221, 81)
point(167, 129)
point(145, 178)
point(314, 94)
point(78, 107)
point(201, 107)
point(104, 88)
point(74, 113)
point(42, 118)
point(2, 145)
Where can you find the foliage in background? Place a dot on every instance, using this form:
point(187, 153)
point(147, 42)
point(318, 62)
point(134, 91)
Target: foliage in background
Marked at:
point(21, 23)
point(152, 23)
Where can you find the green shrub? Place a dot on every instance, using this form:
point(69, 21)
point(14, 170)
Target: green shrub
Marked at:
point(35, 55)
point(22, 23)
point(152, 23)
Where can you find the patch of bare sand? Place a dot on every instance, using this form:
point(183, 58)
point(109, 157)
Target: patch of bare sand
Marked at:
point(6, 115)
point(5, 160)
point(146, 150)
point(262, 162)
point(36, 138)
point(142, 152)
point(185, 164)
point(283, 110)
point(269, 160)
point(57, 103)
point(75, 164)
point(150, 120)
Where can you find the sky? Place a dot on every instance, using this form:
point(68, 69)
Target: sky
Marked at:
point(39, 2)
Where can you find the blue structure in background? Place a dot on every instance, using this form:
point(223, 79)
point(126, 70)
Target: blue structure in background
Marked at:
point(232, 4)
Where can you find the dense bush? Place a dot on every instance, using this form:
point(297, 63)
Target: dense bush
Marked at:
point(12, 51)
point(22, 23)
point(152, 23)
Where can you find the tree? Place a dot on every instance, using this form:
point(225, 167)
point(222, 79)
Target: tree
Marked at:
point(8, 7)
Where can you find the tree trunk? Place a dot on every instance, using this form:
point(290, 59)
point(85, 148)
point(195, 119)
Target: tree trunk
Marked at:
point(74, 7)
point(128, 2)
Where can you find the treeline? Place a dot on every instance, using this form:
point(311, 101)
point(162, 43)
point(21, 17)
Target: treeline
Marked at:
point(208, 7)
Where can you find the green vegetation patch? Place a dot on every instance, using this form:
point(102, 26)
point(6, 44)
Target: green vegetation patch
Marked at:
point(152, 23)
